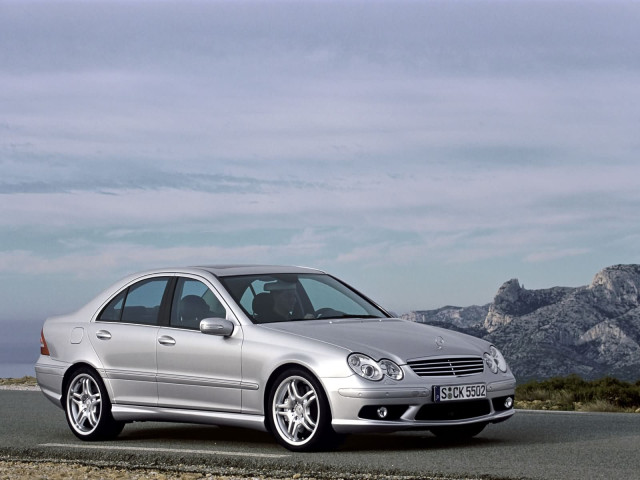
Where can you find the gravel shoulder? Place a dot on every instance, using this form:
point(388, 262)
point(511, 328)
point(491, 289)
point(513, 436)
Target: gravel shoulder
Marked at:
point(16, 470)
point(32, 388)
point(61, 470)
point(19, 470)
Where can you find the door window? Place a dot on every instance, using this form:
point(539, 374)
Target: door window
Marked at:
point(193, 302)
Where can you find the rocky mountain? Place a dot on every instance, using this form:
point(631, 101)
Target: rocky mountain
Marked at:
point(592, 331)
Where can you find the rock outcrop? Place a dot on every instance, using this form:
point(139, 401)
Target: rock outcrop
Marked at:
point(593, 331)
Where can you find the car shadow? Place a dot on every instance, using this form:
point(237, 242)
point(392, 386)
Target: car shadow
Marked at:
point(152, 432)
point(409, 441)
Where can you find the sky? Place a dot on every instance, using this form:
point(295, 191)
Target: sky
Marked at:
point(423, 151)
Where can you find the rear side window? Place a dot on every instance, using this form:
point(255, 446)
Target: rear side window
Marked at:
point(140, 303)
point(113, 311)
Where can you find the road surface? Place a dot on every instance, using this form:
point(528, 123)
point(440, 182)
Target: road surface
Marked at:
point(532, 445)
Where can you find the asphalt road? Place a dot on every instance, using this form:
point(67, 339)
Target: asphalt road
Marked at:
point(532, 445)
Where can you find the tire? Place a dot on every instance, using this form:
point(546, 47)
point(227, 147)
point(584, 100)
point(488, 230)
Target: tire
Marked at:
point(88, 408)
point(298, 413)
point(458, 432)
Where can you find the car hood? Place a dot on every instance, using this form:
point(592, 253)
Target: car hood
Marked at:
point(396, 339)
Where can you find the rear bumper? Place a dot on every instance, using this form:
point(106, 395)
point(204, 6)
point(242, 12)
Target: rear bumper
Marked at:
point(50, 374)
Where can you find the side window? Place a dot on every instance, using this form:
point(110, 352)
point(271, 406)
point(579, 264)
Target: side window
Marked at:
point(271, 299)
point(113, 311)
point(142, 304)
point(194, 301)
point(253, 290)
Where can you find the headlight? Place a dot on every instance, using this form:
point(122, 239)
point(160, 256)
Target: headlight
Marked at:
point(365, 367)
point(391, 369)
point(368, 368)
point(495, 361)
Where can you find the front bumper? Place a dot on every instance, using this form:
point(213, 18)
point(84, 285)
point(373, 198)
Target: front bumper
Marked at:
point(354, 407)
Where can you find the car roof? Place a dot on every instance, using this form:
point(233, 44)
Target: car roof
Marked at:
point(239, 269)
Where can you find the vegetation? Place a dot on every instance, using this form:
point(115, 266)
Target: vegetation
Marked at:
point(575, 394)
point(25, 381)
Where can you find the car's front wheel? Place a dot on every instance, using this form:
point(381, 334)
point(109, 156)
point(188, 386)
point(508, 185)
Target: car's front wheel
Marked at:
point(88, 409)
point(298, 412)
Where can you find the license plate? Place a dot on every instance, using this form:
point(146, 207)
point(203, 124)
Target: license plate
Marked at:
point(452, 393)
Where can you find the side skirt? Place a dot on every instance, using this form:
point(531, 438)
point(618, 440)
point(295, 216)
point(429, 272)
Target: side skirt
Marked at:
point(133, 413)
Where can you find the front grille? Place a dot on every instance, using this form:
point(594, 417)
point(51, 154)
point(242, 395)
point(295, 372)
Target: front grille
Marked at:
point(447, 367)
point(454, 410)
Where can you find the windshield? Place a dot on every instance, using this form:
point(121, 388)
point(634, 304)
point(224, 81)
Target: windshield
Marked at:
point(294, 297)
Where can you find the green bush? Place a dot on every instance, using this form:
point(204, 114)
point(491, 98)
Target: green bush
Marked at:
point(569, 392)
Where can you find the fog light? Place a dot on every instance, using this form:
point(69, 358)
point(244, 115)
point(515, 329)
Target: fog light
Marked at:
point(508, 402)
point(382, 412)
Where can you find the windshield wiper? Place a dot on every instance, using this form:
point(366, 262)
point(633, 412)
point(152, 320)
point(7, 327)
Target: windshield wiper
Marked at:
point(349, 315)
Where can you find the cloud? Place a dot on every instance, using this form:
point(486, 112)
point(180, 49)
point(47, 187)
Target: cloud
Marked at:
point(548, 256)
point(368, 135)
point(507, 209)
point(113, 257)
point(305, 86)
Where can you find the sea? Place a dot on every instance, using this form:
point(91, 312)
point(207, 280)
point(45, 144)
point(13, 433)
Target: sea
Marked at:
point(17, 370)
point(19, 348)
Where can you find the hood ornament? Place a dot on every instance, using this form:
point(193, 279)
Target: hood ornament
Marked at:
point(439, 342)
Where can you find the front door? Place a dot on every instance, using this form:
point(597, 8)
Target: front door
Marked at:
point(197, 370)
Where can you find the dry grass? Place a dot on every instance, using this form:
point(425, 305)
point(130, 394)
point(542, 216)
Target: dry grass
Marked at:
point(24, 381)
point(595, 406)
point(575, 394)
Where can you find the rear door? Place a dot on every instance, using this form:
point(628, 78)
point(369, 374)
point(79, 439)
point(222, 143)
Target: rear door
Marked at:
point(124, 336)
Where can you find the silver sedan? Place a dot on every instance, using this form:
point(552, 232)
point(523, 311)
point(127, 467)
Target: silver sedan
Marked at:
point(289, 350)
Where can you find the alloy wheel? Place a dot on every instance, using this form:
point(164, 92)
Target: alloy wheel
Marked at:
point(296, 410)
point(84, 404)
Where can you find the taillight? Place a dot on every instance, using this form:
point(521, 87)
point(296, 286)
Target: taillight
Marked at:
point(44, 350)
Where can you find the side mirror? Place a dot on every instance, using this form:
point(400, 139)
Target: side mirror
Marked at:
point(217, 326)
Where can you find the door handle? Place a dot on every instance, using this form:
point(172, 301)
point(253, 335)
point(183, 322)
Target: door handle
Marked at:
point(166, 340)
point(103, 335)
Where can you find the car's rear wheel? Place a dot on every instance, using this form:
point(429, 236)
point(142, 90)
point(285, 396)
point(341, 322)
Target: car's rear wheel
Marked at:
point(299, 414)
point(87, 407)
point(458, 432)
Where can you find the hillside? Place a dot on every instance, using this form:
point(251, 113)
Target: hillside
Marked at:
point(592, 331)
